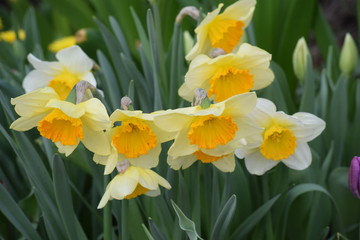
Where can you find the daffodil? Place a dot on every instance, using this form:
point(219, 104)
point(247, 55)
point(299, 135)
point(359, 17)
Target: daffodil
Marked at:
point(64, 123)
point(283, 139)
point(131, 182)
point(136, 138)
point(209, 134)
point(228, 75)
point(73, 66)
point(62, 43)
point(10, 36)
point(223, 30)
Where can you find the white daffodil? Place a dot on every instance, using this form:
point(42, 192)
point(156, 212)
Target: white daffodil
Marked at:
point(284, 139)
point(222, 30)
point(131, 182)
point(137, 139)
point(209, 134)
point(73, 66)
point(228, 75)
point(64, 123)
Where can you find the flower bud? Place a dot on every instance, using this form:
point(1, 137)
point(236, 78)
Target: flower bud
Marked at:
point(301, 56)
point(354, 176)
point(188, 11)
point(188, 42)
point(348, 55)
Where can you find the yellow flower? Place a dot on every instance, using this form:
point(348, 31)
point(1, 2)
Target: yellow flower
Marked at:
point(62, 43)
point(73, 66)
point(283, 139)
point(64, 123)
point(10, 36)
point(211, 134)
point(223, 30)
point(136, 139)
point(228, 75)
point(132, 182)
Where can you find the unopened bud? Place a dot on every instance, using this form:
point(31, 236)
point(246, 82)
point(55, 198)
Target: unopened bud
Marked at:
point(188, 11)
point(201, 98)
point(126, 103)
point(122, 166)
point(354, 176)
point(81, 88)
point(216, 52)
point(188, 42)
point(301, 56)
point(348, 55)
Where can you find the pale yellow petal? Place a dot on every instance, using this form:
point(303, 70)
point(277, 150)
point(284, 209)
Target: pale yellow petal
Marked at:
point(96, 141)
point(240, 10)
point(172, 121)
point(67, 150)
point(181, 162)
point(26, 123)
point(121, 115)
point(241, 104)
point(226, 164)
point(149, 160)
point(111, 163)
point(70, 109)
point(181, 145)
point(105, 198)
point(95, 116)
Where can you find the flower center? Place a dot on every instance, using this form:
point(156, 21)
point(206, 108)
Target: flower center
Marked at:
point(139, 190)
point(210, 131)
point(59, 127)
point(203, 157)
point(279, 143)
point(225, 33)
point(230, 82)
point(63, 83)
point(133, 138)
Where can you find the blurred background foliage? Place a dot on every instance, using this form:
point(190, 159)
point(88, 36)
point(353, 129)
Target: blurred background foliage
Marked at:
point(140, 53)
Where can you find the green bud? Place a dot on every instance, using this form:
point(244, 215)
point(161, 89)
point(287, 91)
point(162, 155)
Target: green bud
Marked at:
point(300, 57)
point(188, 42)
point(348, 55)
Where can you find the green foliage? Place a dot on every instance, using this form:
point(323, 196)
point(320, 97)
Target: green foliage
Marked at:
point(140, 52)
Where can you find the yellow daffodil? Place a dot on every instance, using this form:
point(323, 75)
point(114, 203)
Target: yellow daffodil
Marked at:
point(228, 75)
point(64, 123)
point(223, 30)
point(73, 66)
point(62, 43)
point(10, 36)
point(209, 134)
point(131, 182)
point(283, 139)
point(136, 139)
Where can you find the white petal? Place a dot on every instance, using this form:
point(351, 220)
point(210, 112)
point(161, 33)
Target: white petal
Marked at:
point(48, 68)
point(257, 164)
point(153, 193)
point(111, 163)
point(67, 150)
point(105, 198)
point(75, 60)
point(226, 164)
point(89, 77)
point(96, 141)
point(124, 184)
point(149, 160)
point(301, 159)
point(181, 162)
point(182, 146)
point(35, 80)
point(313, 126)
point(27, 123)
point(266, 106)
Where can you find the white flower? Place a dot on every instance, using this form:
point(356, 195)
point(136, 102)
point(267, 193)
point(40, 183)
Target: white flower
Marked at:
point(284, 139)
point(73, 66)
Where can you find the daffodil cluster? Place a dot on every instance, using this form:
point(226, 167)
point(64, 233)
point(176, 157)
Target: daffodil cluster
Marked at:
point(226, 117)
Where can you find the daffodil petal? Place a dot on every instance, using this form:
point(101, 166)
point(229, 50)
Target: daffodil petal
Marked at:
point(172, 122)
point(95, 141)
point(95, 115)
point(181, 145)
point(27, 123)
point(70, 109)
point(313, 126)
point(48, 68)
point(226, 164)
point(147, 180)
point(105, 198)
point(181, 162)
point(121, 115)
point(67, 150)
point(257, 164)
point(111, 163)
point(241, 10)
point(301, 159)
point(35, 80)
point(240, 104)
point(75, 60)
point(149, 160)
point(153, 193)
point(124, 184)
point(34, 102)
point(89, 77)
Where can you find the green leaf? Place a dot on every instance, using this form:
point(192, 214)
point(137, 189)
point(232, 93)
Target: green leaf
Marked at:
point(148, 234)
point(185, 223)
point(15, 215)
point(64, 200)
point(31, 29)
point(308, 95)
point(251, 221)
point(158, 235)
point(224, 219)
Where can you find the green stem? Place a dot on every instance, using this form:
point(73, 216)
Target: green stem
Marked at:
point(107, 215)
point(268, 219)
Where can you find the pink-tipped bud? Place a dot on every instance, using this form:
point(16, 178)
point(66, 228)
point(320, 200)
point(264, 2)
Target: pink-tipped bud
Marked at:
point(354, 176)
